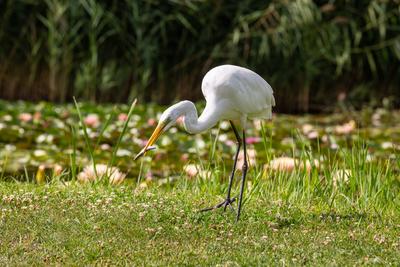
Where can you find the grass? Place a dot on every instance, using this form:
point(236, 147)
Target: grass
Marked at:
point(342, 210)
point(74, 224)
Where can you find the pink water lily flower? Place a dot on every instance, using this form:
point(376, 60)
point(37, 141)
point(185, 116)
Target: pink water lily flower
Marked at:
point(113, 174)
point(251, 158)
point(92, 120)
point(25, 117)
point(288, 164)
point(313, 135)
point(229, 142)
point(122, 117)
point(306, 128)
point(346, 128)
point(191, 170)
point(253, 139)
point(151, 122)
point(184, 157)
point(282, 164)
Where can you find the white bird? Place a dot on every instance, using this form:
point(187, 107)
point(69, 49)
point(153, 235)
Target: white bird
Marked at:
point(232, 93)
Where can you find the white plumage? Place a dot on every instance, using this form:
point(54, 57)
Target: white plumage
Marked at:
point(232, 93)
point(237, 93)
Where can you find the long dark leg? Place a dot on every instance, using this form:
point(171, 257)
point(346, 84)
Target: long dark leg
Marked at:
point(229, 200)
point(244, 172)
point(239, 143)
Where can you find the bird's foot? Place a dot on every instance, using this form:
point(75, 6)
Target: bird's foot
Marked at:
point(227, 202)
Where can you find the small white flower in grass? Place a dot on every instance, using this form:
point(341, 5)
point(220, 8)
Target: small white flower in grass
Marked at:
point(39, 153)
point(41, 138)
point(223, 137)
point(10, 148)
point(7, 118)
point(114, 175)
point(387, 145)
point(93, 135)
point(200, 143)
point(334, 146)
point(138, 141)
point(224, 125)
point(134, 131)
point(45, 138)
point(105, 147)
point(21, 131)
point(123, 153)
point(59, 124)
point(165, 141)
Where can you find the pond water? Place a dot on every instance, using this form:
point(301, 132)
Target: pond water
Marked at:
point(45, 136)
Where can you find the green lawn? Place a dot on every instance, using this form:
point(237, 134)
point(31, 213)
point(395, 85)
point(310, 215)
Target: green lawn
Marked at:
point(99, 224)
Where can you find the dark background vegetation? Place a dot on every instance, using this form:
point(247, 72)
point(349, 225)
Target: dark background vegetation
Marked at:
point(313, 53)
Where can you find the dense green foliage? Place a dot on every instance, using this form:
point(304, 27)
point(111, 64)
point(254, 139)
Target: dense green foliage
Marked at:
point(310, 51)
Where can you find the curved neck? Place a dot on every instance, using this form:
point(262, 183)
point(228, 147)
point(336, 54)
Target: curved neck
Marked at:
point(194, 124)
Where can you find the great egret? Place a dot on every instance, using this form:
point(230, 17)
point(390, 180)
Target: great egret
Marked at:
point(232, 93)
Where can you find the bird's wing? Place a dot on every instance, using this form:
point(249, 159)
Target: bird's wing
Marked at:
point(240, 91)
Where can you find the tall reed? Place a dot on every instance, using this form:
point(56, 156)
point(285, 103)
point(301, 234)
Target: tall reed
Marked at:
point(159, 50)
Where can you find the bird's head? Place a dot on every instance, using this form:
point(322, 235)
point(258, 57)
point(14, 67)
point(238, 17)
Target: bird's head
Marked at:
point(167, 119)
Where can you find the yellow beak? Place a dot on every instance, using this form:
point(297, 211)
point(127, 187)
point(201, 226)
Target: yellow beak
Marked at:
point(153, 138)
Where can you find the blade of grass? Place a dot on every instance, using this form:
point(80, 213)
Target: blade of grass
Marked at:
point(86, 137)
point(26, 175)
point(72, 157)
point(116, 147)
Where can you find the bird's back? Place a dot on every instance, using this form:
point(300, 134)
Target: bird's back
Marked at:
point(240, 91)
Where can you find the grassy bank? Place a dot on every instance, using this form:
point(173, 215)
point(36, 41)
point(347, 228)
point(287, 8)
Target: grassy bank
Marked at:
point(74, 224)
point(320, 189)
